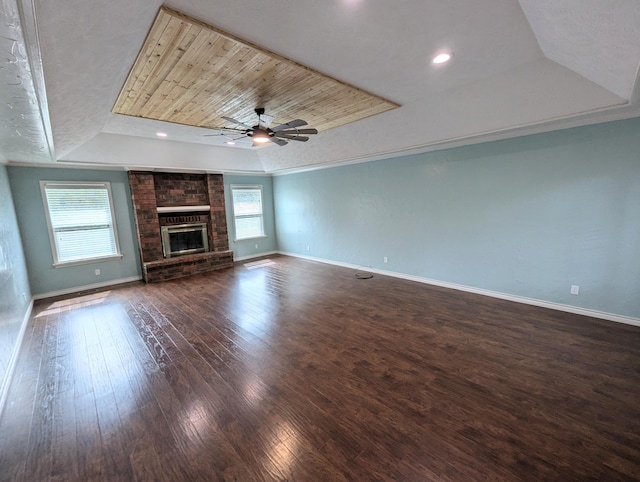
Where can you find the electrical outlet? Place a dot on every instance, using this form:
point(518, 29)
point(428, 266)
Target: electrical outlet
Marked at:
point(575, 289)
point(386, 260)
point(308, 248)
point(97, 272)
point(256, 245)
point(24, 296)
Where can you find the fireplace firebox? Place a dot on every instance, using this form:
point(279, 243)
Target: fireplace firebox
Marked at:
point(181, 239)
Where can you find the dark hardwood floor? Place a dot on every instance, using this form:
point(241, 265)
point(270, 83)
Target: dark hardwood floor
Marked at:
point(299, 371)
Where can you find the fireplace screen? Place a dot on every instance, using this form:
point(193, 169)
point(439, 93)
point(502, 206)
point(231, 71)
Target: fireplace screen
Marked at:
point(184, 239)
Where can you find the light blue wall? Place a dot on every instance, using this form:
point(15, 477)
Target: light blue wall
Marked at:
point(528, 216)
point(44, 278)
point(15, 293)
point(247, 248)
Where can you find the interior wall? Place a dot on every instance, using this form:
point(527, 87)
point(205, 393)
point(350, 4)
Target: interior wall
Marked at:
point(249, 248)
point(529, 216)
point(44, 278)
point(15, 293)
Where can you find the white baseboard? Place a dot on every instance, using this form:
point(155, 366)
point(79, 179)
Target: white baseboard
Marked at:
point(257, 255)
point(628, 320)
point(77, 289)
point(8, 376)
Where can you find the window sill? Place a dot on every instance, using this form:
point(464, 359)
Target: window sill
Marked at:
point(87, 261)
point(249, 239)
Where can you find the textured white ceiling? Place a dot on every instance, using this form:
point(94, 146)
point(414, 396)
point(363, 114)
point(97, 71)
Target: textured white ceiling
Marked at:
point(25, 133)
point(598, 40)
point(518, 67)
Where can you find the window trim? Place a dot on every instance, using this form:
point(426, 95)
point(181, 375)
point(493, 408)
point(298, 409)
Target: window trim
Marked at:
point(240, 187)
point(75, 185)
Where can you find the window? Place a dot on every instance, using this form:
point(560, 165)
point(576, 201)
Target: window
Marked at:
point(82, 226)
point(247, 211)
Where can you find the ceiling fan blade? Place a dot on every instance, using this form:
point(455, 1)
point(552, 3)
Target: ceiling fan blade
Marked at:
point(290, 125)
point(299, 131)
point(280, 142)
point(225, 131)
point(229, 119)
point(265, 121)
point(293, 138)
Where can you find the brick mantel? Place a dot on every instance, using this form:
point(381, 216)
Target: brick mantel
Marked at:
point(151, 190)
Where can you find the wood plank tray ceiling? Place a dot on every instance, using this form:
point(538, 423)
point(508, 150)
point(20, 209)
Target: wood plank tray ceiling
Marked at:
point(191, 73)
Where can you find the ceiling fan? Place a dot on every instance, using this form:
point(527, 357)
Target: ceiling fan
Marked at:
point(261, 133)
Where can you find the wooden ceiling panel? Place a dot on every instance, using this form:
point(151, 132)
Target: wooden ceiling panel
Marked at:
point(190, 73)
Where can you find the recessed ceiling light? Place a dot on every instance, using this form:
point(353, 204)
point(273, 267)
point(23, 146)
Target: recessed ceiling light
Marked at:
point(441, 58)
point(161, 134)
point(231, 143)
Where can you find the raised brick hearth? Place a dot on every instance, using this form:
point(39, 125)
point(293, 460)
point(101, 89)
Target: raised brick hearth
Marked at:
point(181, 266)
point(151, 190)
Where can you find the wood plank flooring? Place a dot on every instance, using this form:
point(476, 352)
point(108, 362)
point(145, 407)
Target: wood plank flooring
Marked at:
point(299, 371)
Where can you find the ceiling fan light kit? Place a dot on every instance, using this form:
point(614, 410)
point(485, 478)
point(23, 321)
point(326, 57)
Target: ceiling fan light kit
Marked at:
point(259, 136)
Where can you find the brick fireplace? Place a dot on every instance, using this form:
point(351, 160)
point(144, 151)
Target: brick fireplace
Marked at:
point(165, 199)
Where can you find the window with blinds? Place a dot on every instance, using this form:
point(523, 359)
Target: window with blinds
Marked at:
point(247, 211)
point(81, 221)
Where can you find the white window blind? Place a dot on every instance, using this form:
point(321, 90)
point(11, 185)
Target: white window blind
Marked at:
point(247, 211)
point(81, 221)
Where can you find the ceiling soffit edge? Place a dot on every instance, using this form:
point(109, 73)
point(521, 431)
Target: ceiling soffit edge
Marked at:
point(621, 112)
